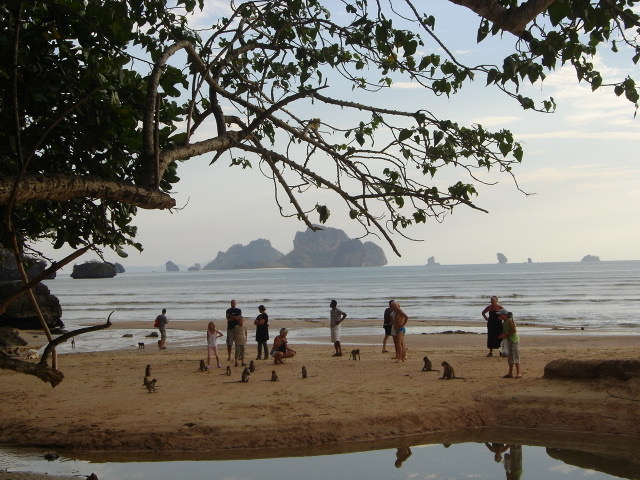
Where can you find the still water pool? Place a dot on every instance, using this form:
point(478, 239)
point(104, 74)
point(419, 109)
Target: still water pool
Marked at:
point(477, 461)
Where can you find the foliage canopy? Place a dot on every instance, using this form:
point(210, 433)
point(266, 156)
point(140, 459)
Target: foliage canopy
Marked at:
point(100, 101)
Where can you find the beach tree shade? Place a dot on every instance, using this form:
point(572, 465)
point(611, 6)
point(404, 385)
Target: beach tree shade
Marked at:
point(102, 101)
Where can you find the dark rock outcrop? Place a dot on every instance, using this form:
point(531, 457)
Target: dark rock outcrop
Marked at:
point(20, 313)
point(119, 268)
point(501, 258)
point(257, 254)
point(94, 269)
point(195, 267)
point(9, 269)
point(10, 338)
point(590, 258)
point(171, 267)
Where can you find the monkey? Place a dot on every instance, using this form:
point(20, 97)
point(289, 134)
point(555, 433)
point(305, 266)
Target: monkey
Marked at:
point(304, 372)
point(147, 371)
point(252, 366)
point(448, 372)
point(203, 366)
point(140, 345)
point(274, 376)
point(245, 374)
point(228, 371)
point(355, 353)
point(428, 366)
point(150, 384)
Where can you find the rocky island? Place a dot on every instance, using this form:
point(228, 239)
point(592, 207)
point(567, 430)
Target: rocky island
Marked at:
point(329, 247)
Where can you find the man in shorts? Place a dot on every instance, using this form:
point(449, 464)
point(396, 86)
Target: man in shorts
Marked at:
point(234, 316)
point(336, 316)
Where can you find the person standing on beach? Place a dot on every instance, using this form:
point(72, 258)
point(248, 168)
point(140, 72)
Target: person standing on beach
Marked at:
point(336, 316)
point(262, 332)
point(494, 325)
point(161, 321)
point(510, 335)
point(212, 343)
point(234, 314)
point(400, 320)
point(387, 324)
point(240, 333)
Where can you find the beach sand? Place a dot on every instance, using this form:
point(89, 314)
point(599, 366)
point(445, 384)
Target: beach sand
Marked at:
point(101, 411)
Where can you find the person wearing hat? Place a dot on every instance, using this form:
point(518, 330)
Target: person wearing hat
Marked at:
point(510, 335)
point(262, 332)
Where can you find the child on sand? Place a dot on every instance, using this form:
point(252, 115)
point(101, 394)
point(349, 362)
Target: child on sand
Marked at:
point(212, 345)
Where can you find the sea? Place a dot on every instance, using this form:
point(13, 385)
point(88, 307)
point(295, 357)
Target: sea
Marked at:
point(594, 298)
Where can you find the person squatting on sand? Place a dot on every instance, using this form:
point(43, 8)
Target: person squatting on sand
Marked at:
point(400, 320)
point(212, 343)
point(387, 324)
point(494, 326)
point(281, 349)
point(336, 317)
point(262, 332)
point(233, 315)
point(511, 337)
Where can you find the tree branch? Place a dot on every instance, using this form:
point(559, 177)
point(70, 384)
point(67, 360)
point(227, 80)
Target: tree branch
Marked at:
point(63, 187)
point(514, 19)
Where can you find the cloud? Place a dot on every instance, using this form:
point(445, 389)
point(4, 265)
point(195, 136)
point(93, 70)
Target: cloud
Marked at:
point(495, 121)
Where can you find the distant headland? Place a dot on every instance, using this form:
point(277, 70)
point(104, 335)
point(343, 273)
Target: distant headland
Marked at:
point(325, 248)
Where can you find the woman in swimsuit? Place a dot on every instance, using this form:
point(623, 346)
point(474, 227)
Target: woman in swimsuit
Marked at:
point(281, 349)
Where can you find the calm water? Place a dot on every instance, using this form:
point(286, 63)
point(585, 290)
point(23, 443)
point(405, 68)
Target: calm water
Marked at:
point(433, 462)
point(597, 296)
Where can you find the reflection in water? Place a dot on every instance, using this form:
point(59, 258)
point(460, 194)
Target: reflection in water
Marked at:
point(401, 455)
point(513, 462)
point(411, 461)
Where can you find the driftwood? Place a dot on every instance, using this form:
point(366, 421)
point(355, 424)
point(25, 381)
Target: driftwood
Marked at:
point(592, 369)
point(41, 369)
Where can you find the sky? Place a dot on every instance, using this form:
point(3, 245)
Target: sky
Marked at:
point(578, 183)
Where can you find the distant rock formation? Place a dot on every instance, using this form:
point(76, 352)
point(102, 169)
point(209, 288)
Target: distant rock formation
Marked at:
point(20, 313)
point(257, 254)
point(432, 261)
point(529, 260)
point(9, 268)
point(119, 268)
point(195, 268)
point(171, 267)
point(329, 247)
point(501, 258)
point(590, 258)
point(94, 269)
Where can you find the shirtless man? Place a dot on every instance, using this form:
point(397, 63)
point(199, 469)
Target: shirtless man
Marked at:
point(399, 321)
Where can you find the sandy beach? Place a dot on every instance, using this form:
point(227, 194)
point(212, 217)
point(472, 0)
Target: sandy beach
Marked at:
point(101, 409)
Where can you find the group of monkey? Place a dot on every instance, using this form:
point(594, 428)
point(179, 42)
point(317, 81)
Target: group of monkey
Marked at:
point(150, 383)
point(447, 370)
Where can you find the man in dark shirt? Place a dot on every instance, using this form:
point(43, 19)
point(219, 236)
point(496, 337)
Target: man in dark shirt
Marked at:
point(234, 315)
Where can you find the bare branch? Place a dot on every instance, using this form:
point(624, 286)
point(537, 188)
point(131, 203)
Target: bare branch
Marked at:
point(63, 187)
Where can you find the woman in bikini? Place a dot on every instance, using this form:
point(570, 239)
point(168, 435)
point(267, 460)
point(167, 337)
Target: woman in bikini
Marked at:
point(281, 349)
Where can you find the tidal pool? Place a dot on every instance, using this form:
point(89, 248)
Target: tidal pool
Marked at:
point(570, 457)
